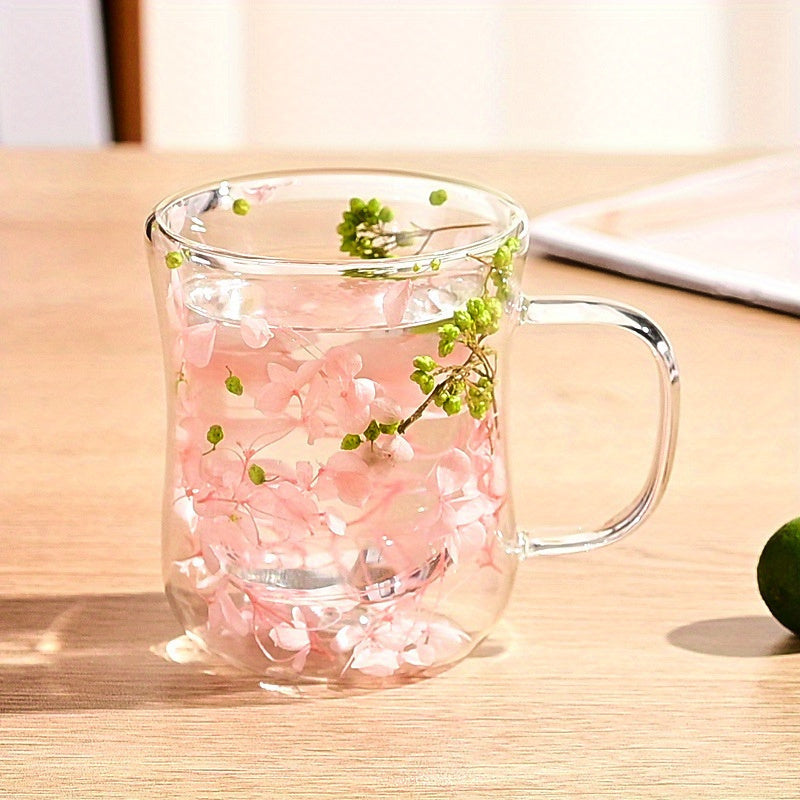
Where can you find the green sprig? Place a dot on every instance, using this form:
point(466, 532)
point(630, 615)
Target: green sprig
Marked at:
point(365, 234)
point(451, 387)
point(352, 441)
point(472, 382)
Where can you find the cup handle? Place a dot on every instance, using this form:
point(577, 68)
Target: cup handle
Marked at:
point(589, 311)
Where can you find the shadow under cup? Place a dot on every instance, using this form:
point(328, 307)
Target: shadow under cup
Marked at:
point(335, 497)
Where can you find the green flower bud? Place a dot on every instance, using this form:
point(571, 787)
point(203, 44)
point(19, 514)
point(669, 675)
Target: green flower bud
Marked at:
point(234, 385)
point(346, 229)
point(441, 398)
point(484, 322)
point(174, 259)
point(241, 206)
point(215, 435)
point(417, 375)
point(374, 206)
point(448, 332)
point(502, 258)
point(386, 214)
point(452, 405)
point(456, 386)
point(356, 204)
point(437, 197)
point(426, 383)
point(478, 411)
point(351, 441)
point(416, 267)
point(256, 474)
point(513, 244)
point(372, 432)
point(475, 307)
point(425, 363)
point(435, 264)
point(494, 307)
point(389, 427)
point(463, 320)
point(446, 347)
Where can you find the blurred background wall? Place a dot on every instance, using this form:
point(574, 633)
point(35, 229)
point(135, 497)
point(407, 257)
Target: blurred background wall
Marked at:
point(645, 75)
point(53, 86)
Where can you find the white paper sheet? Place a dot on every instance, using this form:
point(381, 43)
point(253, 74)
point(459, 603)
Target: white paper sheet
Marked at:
point(732, 232)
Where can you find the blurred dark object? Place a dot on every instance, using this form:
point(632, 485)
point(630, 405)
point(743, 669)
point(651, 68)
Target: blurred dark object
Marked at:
point(121, 26)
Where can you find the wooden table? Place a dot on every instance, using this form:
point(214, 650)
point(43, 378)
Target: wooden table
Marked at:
point(647, 669)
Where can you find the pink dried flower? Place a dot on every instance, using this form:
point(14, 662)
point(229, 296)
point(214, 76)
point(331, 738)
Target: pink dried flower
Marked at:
point(395, 302)
point(198, 343)
point(347, 476)
point(373, 659)
point(255, 331)
point(293, 637)
point(380, 649)
point(284, 384)
point(338, 391)
point(434, 642)
point(392, 448)
point(456, 517)
point(224, 615)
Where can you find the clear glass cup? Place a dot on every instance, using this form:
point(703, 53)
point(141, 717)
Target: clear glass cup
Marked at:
point(336, 503)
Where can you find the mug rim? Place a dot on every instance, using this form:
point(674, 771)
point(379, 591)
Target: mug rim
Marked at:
point(245, 262)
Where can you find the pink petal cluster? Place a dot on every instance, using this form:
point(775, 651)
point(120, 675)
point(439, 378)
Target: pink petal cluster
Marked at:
point(397, 638)
point(330, 397)
point(338, 396)
point(328, 508)
point(461, 510)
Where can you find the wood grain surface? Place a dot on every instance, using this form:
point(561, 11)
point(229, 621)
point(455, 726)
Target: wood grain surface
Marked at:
point(649, 669)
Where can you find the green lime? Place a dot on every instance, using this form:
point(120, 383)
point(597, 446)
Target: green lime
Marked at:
point(779, 575)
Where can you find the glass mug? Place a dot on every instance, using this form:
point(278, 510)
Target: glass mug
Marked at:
point(336, 501)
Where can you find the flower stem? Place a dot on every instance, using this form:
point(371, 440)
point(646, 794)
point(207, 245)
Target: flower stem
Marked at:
point(408, 421)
